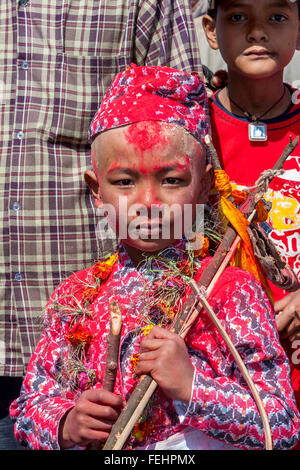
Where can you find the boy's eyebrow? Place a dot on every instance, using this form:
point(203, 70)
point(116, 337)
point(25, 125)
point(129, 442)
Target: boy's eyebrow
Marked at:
point(278, 3)
point(281, 3)
point(156, 168)
point(166, 168)
point(120, 168)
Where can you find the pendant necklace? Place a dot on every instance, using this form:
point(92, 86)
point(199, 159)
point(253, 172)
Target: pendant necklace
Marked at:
point(257, 130)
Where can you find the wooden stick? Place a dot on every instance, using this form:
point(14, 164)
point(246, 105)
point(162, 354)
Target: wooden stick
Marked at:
point(113, 347)
point(131, 413)
point(286, 153)
point(112, 357)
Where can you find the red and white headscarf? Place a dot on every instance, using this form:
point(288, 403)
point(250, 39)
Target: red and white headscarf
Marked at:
point(154, 93)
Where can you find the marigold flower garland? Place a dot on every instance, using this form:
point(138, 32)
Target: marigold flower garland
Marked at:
point(76, 372)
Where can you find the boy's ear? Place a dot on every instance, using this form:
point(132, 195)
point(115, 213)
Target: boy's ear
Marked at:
point(298, 42)
point(92, 182)
point(207, 183)
point(209, 26)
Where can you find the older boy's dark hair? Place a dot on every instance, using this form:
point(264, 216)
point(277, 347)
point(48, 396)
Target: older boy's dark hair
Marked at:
point(213, 7)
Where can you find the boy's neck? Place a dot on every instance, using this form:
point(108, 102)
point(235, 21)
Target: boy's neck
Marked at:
point(256, 96)
point(136, 256)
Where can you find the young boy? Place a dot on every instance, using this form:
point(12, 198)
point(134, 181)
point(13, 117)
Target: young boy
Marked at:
point(148, 152)
point(253, 119)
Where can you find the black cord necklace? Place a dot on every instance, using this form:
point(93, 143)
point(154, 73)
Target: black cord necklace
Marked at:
point(257, 130)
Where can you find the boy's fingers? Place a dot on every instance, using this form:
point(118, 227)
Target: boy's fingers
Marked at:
point(160, 333)
point(284, 318)
point(93, 435)
point(103, 397)
point(148, 356)
point(104, 413)
point(291, 301)
point(281, 304)
point(149, 344)
point(145, 367)
point(295, 336)
point(292, 329)
point(99, 424)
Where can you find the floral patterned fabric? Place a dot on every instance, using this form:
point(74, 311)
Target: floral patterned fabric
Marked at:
point(221, 405)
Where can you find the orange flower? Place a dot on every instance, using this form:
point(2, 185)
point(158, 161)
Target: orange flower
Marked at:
point(185, 268)
point(202, 252)
point(89, 294)
point(238, 196)
point(146, 329)
point(103, 269)
point(79, 333)
point(167, 310)
point(134, 360)
point(142, 430)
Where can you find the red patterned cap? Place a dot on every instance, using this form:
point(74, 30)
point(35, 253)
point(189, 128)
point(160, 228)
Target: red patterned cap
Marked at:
point(154, 93)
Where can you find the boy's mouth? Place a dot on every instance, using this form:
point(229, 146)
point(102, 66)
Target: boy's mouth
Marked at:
point(257, 52)
point(151, 230)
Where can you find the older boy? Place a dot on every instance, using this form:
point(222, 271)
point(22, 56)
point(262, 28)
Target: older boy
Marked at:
point(253, 119)
point(148, 149)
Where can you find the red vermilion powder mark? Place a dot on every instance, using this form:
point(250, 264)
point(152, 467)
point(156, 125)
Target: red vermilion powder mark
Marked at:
point(182, 164)
point(146, 135)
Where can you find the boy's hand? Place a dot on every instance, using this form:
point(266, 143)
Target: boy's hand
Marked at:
point(165, 357)
point(288, 318)
point(91, 419)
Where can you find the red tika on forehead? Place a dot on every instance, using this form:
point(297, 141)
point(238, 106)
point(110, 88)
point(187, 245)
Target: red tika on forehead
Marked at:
point(154, 93)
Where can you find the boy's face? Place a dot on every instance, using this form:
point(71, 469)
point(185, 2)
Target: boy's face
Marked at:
point(256, 38)
point(145, 168)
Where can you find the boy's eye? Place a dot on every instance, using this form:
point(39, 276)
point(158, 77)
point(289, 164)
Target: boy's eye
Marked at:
point(171, 181)
point(123, 182)
point(278, 18)
point(237, 17)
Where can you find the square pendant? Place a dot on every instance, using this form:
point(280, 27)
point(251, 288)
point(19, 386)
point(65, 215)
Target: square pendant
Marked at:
point(257, 131)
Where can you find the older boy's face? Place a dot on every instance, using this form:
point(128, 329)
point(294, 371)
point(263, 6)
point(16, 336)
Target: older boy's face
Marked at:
point(257, 38)
point(144, 169)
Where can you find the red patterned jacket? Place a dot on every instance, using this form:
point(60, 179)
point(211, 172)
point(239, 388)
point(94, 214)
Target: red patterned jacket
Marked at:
point(221, 405)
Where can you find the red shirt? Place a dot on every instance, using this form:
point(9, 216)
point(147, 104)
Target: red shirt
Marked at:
point(244, 161)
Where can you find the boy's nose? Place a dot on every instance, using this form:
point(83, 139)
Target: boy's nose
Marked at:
point(149, 196)
point(257, 31)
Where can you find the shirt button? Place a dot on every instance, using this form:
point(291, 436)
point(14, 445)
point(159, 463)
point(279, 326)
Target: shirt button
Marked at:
point(24, 65)
point(18, 277)
point(20, 135)
point(15, 206)
point(23, 3)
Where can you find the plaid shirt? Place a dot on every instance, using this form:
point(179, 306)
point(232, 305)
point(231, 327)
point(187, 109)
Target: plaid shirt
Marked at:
point(57, 59)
